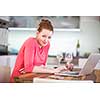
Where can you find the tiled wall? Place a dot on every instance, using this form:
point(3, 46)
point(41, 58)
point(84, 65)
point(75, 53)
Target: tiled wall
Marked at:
point(61, 40)
point(89, 36)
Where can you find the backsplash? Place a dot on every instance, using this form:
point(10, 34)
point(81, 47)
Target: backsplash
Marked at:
point(64, 40)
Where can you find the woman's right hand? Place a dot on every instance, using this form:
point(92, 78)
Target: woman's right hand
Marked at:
point(70, 66)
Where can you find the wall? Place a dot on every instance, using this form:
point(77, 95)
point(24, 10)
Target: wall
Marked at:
point(16, 38)
point(90, 34)
point(61, 40)
point(65, 40)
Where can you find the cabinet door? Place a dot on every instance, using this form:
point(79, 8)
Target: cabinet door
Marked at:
point(68, 22)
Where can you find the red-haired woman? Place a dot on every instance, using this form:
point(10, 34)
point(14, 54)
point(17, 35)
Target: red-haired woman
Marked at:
point(33, 54)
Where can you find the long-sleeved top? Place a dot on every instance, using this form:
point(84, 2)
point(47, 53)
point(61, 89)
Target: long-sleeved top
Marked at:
point(30, 55)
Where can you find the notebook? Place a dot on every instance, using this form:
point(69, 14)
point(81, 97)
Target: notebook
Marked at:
point(87, 68)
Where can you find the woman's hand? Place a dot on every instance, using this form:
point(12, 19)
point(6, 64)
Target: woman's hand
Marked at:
point(69, 66)
point(59, 69)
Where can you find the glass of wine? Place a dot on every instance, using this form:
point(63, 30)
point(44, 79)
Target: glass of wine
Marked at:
point(68, 58)
point(59, 57)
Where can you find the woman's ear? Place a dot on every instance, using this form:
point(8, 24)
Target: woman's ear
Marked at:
point(37, 32)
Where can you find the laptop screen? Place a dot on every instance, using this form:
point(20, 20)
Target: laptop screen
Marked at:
point(90, 64)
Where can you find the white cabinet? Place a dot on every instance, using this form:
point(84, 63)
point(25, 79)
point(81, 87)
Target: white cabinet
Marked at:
point(4, 24)
point(8, 61)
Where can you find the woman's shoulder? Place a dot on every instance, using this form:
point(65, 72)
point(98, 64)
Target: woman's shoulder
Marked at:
point(30, 40)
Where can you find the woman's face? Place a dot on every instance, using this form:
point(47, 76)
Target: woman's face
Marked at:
point(43, 37)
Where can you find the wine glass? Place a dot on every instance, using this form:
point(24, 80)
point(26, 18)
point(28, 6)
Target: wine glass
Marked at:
point(59, 58)
point(68, 58)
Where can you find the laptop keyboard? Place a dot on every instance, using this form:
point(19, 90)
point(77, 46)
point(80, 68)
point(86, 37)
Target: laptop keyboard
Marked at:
point(70, 72)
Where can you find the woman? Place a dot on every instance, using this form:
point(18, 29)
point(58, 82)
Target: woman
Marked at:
point(33, 54)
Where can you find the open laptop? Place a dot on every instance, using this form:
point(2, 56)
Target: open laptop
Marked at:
point(87, 68)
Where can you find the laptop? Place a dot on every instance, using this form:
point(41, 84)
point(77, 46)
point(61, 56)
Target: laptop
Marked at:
point(87, 68)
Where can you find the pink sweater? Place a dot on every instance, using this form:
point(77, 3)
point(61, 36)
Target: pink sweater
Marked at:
point(30, 55)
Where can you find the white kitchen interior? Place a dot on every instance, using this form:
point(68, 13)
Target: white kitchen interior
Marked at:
point(63, 40)
point(88, 34)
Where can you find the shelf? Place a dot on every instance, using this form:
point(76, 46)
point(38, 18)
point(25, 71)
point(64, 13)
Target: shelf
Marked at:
point(34, 29)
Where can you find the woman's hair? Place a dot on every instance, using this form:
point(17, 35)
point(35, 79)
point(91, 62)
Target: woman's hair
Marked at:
point(45, 24)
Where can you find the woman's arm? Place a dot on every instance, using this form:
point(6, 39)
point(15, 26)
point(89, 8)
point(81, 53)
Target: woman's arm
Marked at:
point(43, 69)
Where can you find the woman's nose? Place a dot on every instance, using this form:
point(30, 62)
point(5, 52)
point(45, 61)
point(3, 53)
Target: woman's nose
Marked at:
point(46, 39)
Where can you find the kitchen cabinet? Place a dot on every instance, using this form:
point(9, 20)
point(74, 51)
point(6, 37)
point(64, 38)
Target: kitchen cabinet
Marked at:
point(4, 21)
point(4, 74)
point(4, 24)
point(69, 22)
